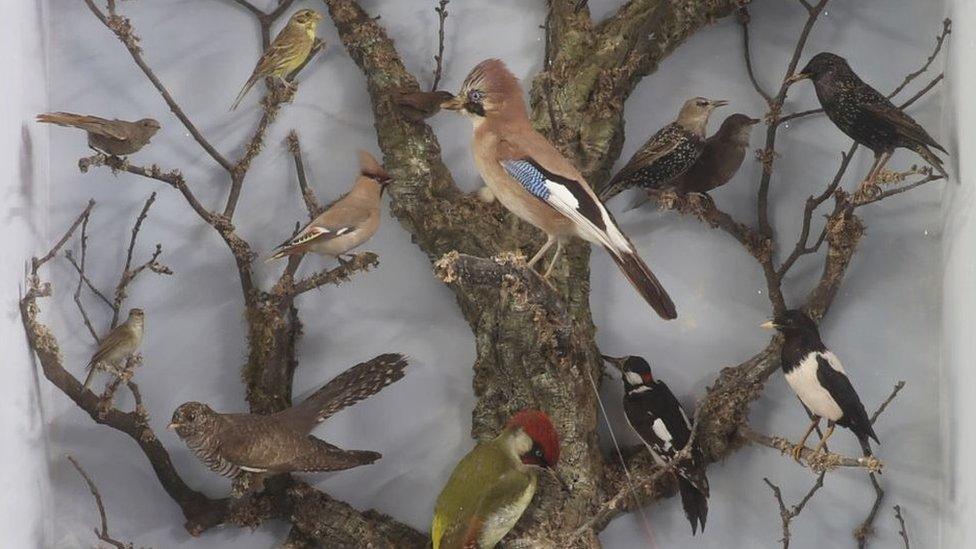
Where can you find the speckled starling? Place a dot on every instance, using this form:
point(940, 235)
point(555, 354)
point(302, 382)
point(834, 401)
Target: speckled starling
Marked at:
point(657, 417)
point(720, 159)
point(113, 137)
point(115, 348)
point(864, 114)
point(420, 105)
point(668, 153)
point(230, 444)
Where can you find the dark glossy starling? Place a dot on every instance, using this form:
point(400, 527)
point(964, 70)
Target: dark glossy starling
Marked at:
point(669, 152)
point(816, 376)
point(113, 137)
point(720, 159)
point(657, 417)
point(230, 444)
point(864, 114)
point(420, 105)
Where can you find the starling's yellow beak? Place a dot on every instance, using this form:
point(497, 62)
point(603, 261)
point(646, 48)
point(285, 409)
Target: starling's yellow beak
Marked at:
point(617, 363)
point(768, 325)
point(453, 104)
point(172, 425)
point(797, 77)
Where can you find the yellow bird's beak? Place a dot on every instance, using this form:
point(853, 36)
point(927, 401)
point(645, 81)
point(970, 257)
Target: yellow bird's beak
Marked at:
point(797, 78)
point(768, 325)
point(453, 104)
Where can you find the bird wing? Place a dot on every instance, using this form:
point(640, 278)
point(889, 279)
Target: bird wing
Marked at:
point(830, 374)
point(662, 143)
point(111, 128)
point(317, 455)
point(903, 124)
point(117, 337)
point(341, 219)
point(285, 53)
point(357, 383)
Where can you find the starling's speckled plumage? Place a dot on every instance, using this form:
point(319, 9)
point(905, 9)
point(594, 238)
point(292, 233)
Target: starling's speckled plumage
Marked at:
point(668, 153)
point(233, 443)
point(113, 137)
point(817, 377)
point(864, 114)
point(657, 417)
point(720, 159)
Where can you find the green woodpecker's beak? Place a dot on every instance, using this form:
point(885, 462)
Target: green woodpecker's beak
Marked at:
point(769, 325)
point(617, 363)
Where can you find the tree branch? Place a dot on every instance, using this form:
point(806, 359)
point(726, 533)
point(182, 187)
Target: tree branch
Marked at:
point(308, 194)
point(101, 532)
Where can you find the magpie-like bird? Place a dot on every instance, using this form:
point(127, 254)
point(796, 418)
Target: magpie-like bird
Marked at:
point(657, 417)
point(816, 376)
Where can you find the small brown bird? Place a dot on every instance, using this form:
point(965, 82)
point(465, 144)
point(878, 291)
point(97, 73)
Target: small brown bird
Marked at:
point(669, 152)
point(230, 444)
point(112, 137)
point(348, 223)
point(287, 52)
point(722, 156)
point(421, 105)
point(118, 345)
point(864, 114)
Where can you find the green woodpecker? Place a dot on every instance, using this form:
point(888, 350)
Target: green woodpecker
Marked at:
point(492, 485)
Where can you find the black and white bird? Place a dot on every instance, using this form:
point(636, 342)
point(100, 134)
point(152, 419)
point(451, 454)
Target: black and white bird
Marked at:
point(657, 417)
point(816, 376)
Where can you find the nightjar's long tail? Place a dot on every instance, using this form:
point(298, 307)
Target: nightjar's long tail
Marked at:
point(355, 384)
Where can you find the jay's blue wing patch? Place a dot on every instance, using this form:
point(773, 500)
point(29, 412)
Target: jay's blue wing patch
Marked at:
point(542, 183)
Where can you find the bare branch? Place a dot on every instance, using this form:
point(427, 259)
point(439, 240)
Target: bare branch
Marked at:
point(819, 461)
point(101, 532)
point(128, 274)
point(939, 41)
point(902, 531)
point(788, 514)
point(308, 194)
point(359, 262)
point(37, 263)
point(742, 15)
point(441, 10)
point(82, 278)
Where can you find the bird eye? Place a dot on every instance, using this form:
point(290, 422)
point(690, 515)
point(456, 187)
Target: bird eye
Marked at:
point(703, 103)
point(476, 96)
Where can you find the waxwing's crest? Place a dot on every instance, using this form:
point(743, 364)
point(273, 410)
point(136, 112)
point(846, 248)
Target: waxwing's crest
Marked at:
point(538, 426)
point(371, 168)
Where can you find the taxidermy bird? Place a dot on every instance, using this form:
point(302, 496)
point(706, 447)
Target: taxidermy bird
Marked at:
point(115, 348)
point(657, 417)
point(289, 50)
point(112, 137)
point(420, 105)
point(230, 444)
point(864, 114)
point(537, 183)
point(349, 222)
point(721, 157)
point(668, 153)
point(494, 483)
point(816, 376)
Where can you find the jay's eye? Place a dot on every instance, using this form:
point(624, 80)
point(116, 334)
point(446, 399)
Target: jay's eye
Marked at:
point(476, 96)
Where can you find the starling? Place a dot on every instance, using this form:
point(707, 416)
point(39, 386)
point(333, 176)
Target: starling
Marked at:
point(816, 376)
point(121, 343)
point(112, 137)
point(287, 53)
point(657, 417)
point(230, 444)
point(421, 105)
point(348, 223)
point(669, 152)
point(720, 159)
point(865, 115)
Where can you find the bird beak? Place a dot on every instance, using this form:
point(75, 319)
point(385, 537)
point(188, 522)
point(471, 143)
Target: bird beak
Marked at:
point(618, 363)
point(768, 325)
point(796, 78)
point(453, 104)
point(719, 103)
point(754, 121)
point(172, 425)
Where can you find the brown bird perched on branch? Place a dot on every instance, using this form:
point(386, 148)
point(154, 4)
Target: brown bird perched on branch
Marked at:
point(421, 105)
point(112, 137)
point(121, 343)
point(348, 223)
point(289, 51)
point(864, 114)
point(669, 152)
point(230, 444)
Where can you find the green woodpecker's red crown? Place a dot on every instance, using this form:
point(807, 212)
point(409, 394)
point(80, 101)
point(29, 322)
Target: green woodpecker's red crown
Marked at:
point(538, 427)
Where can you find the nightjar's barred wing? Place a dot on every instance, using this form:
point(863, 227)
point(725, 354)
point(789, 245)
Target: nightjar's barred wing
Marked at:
point(355, 384)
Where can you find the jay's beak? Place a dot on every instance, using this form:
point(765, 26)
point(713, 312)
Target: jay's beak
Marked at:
point(617, 363)
point(453, 104)
point(796, 78)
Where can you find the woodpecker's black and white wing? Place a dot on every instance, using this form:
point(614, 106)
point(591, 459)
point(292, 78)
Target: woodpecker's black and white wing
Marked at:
point(574, 199)
point(830, 375)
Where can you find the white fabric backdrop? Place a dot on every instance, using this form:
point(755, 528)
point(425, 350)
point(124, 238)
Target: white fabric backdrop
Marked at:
point(885, 325)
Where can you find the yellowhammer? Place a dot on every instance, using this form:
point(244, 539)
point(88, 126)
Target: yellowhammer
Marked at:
point(287, 52)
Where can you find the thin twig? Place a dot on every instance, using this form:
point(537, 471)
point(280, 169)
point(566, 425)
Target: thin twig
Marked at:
point(82, 279)
point(37, 263)
point(128, 274)
point(742, 15)
point(939, 41)
point(816, 461)
point(101, 532)
point(312, 204)
point(902, 530)
point(441, 10)
point(360, 262)
point(898, 387)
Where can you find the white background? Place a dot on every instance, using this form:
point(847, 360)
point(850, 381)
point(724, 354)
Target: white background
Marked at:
point(886, 325)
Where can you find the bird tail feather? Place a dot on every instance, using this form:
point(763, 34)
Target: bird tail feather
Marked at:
point(247, 87)
point(644, 281)
point(66, 119)
point(933, 160)
point(695, 504)
point(357, 383)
